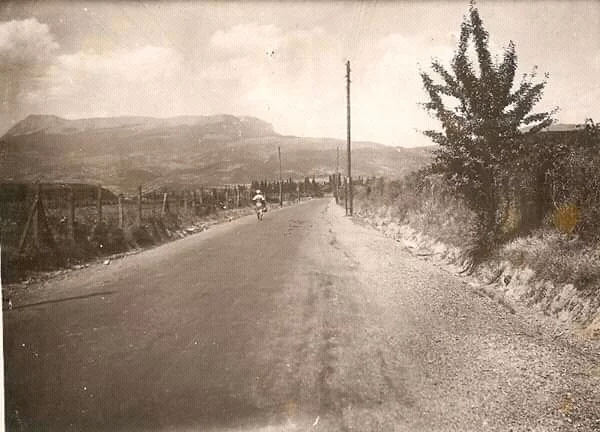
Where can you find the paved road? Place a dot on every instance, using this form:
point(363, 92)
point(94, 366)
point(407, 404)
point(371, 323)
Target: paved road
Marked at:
point(304, 321)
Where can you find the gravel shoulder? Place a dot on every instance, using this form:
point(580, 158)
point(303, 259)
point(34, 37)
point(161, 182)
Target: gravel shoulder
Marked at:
point(410, 346)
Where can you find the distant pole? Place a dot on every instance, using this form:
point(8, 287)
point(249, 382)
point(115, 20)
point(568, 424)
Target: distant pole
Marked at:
point(280, 186)
point(337, 176)
point(37, 220)
point(71, 220)
point(165, 204)
point(350, 195)
point(139, 212)
point(121, 215)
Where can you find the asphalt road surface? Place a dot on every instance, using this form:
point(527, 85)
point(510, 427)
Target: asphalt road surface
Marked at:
point(304, 321)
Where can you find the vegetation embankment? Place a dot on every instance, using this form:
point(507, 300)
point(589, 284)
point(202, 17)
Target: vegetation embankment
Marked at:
point(516, 198)
point(554, 266)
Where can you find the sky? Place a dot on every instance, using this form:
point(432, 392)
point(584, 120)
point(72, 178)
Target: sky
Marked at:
point(283, 62)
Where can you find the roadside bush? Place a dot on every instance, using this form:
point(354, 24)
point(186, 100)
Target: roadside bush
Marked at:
point(566, 218)
point(107, 239)
point(138, 236)
point(421, 200)
point(556, 251)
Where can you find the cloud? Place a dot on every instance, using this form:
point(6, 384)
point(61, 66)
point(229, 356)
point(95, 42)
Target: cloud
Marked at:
point(26, 47)
point(251, 50)
point(283, 76)
point(388, 93)
point(292, 78)
point(145, 64)
point(141, 81)
point(36, 77)
point(295, 79)
point(27, 51)
point(259, 38)
point(248, 37)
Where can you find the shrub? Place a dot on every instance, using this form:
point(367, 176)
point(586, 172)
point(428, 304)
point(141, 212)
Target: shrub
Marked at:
point(566, 218)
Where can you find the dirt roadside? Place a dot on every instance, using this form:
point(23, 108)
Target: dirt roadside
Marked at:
point(426, 352)
point(514, 285)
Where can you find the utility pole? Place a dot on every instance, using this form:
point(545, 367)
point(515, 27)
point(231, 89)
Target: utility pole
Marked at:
point(280, 186)
point(337, 176)
point(139, 209)
point(349, 211)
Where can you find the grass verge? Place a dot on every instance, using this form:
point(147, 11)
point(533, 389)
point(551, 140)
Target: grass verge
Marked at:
point(554, 271)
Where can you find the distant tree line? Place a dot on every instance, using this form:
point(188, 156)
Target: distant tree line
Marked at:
point(308, 187)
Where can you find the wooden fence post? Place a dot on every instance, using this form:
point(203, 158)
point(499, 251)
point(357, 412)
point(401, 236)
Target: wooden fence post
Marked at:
point(32, 214)
point(71, 217)
point(121, 216)
point(36, 222)
point(346, 194)
point(139, 212)
point(37, 216)
point(42, 223)
point(185, 202)
point(237, 196)
point(194, 202)
point(165, 204)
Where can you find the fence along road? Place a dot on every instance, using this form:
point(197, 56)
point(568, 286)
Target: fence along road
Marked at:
point(304, 321)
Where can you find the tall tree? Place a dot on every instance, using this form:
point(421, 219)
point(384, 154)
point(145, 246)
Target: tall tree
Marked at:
point(483, 116)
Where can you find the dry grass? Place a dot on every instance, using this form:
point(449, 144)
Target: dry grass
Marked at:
point(556, 257)
point(437, 214)
point(566, 218)
point(554, 253)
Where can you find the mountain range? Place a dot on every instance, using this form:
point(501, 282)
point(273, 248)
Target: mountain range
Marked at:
point(123, 152)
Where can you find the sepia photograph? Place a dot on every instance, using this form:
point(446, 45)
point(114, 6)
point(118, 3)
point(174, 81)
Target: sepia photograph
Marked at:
point(297, 216)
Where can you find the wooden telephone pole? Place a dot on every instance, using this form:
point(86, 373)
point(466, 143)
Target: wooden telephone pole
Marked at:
point(337, 176)
point(350, 195)
point(280, 186)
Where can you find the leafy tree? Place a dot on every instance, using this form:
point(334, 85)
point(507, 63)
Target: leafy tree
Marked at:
point(484, 117)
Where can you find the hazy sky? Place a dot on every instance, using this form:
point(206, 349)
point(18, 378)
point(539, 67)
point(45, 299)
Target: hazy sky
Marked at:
point(282, 62)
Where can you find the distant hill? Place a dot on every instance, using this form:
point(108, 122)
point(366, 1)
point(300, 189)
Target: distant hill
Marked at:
point(123, 152)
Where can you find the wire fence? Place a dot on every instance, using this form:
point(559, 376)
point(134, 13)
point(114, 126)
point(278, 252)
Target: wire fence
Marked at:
point(44, 226)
